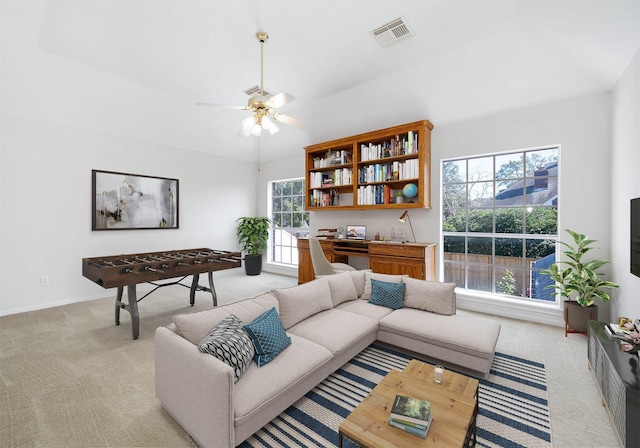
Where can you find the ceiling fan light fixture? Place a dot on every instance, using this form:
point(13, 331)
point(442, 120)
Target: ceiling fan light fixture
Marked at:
point(269, 125)
point(256, 130)
point(262, 103)
point(250, 127)
point(248, 123)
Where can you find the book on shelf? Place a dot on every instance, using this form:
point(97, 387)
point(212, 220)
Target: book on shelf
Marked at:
point(412, 410)
point(411, 428)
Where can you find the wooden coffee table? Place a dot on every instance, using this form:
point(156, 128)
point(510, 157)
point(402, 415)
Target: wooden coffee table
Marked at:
point(454, 406)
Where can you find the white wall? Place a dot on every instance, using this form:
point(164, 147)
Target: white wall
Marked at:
point(582, 126)
point(46, 207)
point(46, 180)
point(625, 185)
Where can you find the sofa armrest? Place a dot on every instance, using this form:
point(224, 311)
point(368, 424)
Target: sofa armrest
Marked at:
point(195, 388)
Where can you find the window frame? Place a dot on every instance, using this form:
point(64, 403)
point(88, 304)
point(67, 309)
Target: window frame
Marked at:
point(278, 234)
point(527, 278)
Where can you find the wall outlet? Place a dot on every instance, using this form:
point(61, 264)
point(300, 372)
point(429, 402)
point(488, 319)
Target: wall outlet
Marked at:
point(44, 280)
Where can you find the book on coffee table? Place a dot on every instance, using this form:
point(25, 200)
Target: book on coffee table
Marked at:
point(614, 331)
point(412, 428)
point(412, 410)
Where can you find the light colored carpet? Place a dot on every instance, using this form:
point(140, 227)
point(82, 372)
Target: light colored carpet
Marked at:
point(70, 378)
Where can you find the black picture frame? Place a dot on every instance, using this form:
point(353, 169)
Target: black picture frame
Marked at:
point(125, 201)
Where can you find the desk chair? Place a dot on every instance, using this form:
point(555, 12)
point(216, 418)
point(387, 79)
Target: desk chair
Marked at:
point(321, 265)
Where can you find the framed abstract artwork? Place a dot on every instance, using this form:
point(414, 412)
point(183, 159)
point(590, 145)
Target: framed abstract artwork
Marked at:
point(123, 201)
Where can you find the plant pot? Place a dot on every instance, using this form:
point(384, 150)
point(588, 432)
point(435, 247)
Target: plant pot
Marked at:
point(577, 317)
point(253, 264)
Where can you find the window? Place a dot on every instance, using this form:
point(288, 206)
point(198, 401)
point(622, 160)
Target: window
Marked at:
point(289, 221)
point(499, 221)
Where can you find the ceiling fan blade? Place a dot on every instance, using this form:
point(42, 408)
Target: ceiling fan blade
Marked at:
point(286, 119)
point(280, 100)
point(222, 105)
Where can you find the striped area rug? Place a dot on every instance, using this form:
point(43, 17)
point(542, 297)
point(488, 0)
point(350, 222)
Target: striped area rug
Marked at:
point(513, 409)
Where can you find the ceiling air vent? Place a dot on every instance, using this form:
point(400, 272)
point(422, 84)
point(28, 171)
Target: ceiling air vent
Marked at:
point(255, 91)
point(393, 32)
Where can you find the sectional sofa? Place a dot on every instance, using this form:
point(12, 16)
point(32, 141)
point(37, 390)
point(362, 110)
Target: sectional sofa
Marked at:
point(326, 323)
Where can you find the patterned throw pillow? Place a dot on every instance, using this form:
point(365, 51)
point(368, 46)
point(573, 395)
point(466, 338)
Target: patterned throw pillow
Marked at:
point(229, 342)
point(268, 336)
point(387, 294)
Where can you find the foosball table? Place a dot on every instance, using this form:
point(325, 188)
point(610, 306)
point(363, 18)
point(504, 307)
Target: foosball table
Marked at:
point(131, 269)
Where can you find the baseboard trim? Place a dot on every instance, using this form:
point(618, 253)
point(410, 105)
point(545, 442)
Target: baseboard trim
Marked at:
point(44, 306)
point(274, 268)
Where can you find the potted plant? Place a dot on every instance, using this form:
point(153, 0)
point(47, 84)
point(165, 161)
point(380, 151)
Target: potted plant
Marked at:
point(253, 234)
point(579, 280)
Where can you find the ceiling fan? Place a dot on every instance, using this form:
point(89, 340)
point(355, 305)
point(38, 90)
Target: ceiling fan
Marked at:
point(264, 107)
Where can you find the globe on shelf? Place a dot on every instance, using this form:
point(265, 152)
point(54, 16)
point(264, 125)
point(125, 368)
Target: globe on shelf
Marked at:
point(410, 191)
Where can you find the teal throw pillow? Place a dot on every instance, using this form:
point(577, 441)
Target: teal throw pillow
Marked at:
point(387, 294)
point(268, 336)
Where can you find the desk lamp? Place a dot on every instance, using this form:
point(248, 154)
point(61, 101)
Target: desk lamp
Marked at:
point(405, 217)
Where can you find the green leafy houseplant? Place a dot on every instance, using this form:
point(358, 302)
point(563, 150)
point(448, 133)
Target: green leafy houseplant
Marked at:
point(579, 277)
point(253, 234)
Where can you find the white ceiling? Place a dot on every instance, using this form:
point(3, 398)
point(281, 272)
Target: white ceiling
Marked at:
point(136, 68)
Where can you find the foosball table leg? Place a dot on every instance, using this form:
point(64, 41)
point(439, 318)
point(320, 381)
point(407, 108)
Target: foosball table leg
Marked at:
point(132, 307)
point(195, 286)
point(213, 290)
point(133, 310)
point(118, 304)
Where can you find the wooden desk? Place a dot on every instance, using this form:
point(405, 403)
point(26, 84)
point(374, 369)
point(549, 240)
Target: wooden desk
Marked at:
point(418, 260)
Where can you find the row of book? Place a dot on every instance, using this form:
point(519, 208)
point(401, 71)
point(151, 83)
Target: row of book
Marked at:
point(321, 198)
point(398, 146)
point(333, 157)
point(381, 172)
point(376, 194)
point(338, 177)
point(411, 415)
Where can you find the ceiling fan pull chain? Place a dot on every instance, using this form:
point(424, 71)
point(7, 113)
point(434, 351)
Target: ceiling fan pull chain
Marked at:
point(259, 148)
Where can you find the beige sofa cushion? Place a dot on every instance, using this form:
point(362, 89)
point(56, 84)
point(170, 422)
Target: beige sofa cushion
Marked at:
point(472, 335)
point(366, 295)
point(358, 280)
point(194, 327)
point(260, 386)
point(299, 302)
point(336, 330)
point(437, 297)
point(342, 287)
point(365, 308)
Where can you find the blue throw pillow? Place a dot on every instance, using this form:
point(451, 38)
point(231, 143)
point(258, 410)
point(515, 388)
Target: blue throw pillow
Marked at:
point(268, 336)
point(387, 294)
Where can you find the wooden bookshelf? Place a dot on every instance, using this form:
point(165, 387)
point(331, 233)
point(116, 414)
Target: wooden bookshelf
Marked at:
point(365, 171)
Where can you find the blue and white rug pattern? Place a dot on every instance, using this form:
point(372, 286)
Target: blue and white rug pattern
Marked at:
point(513, 408)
